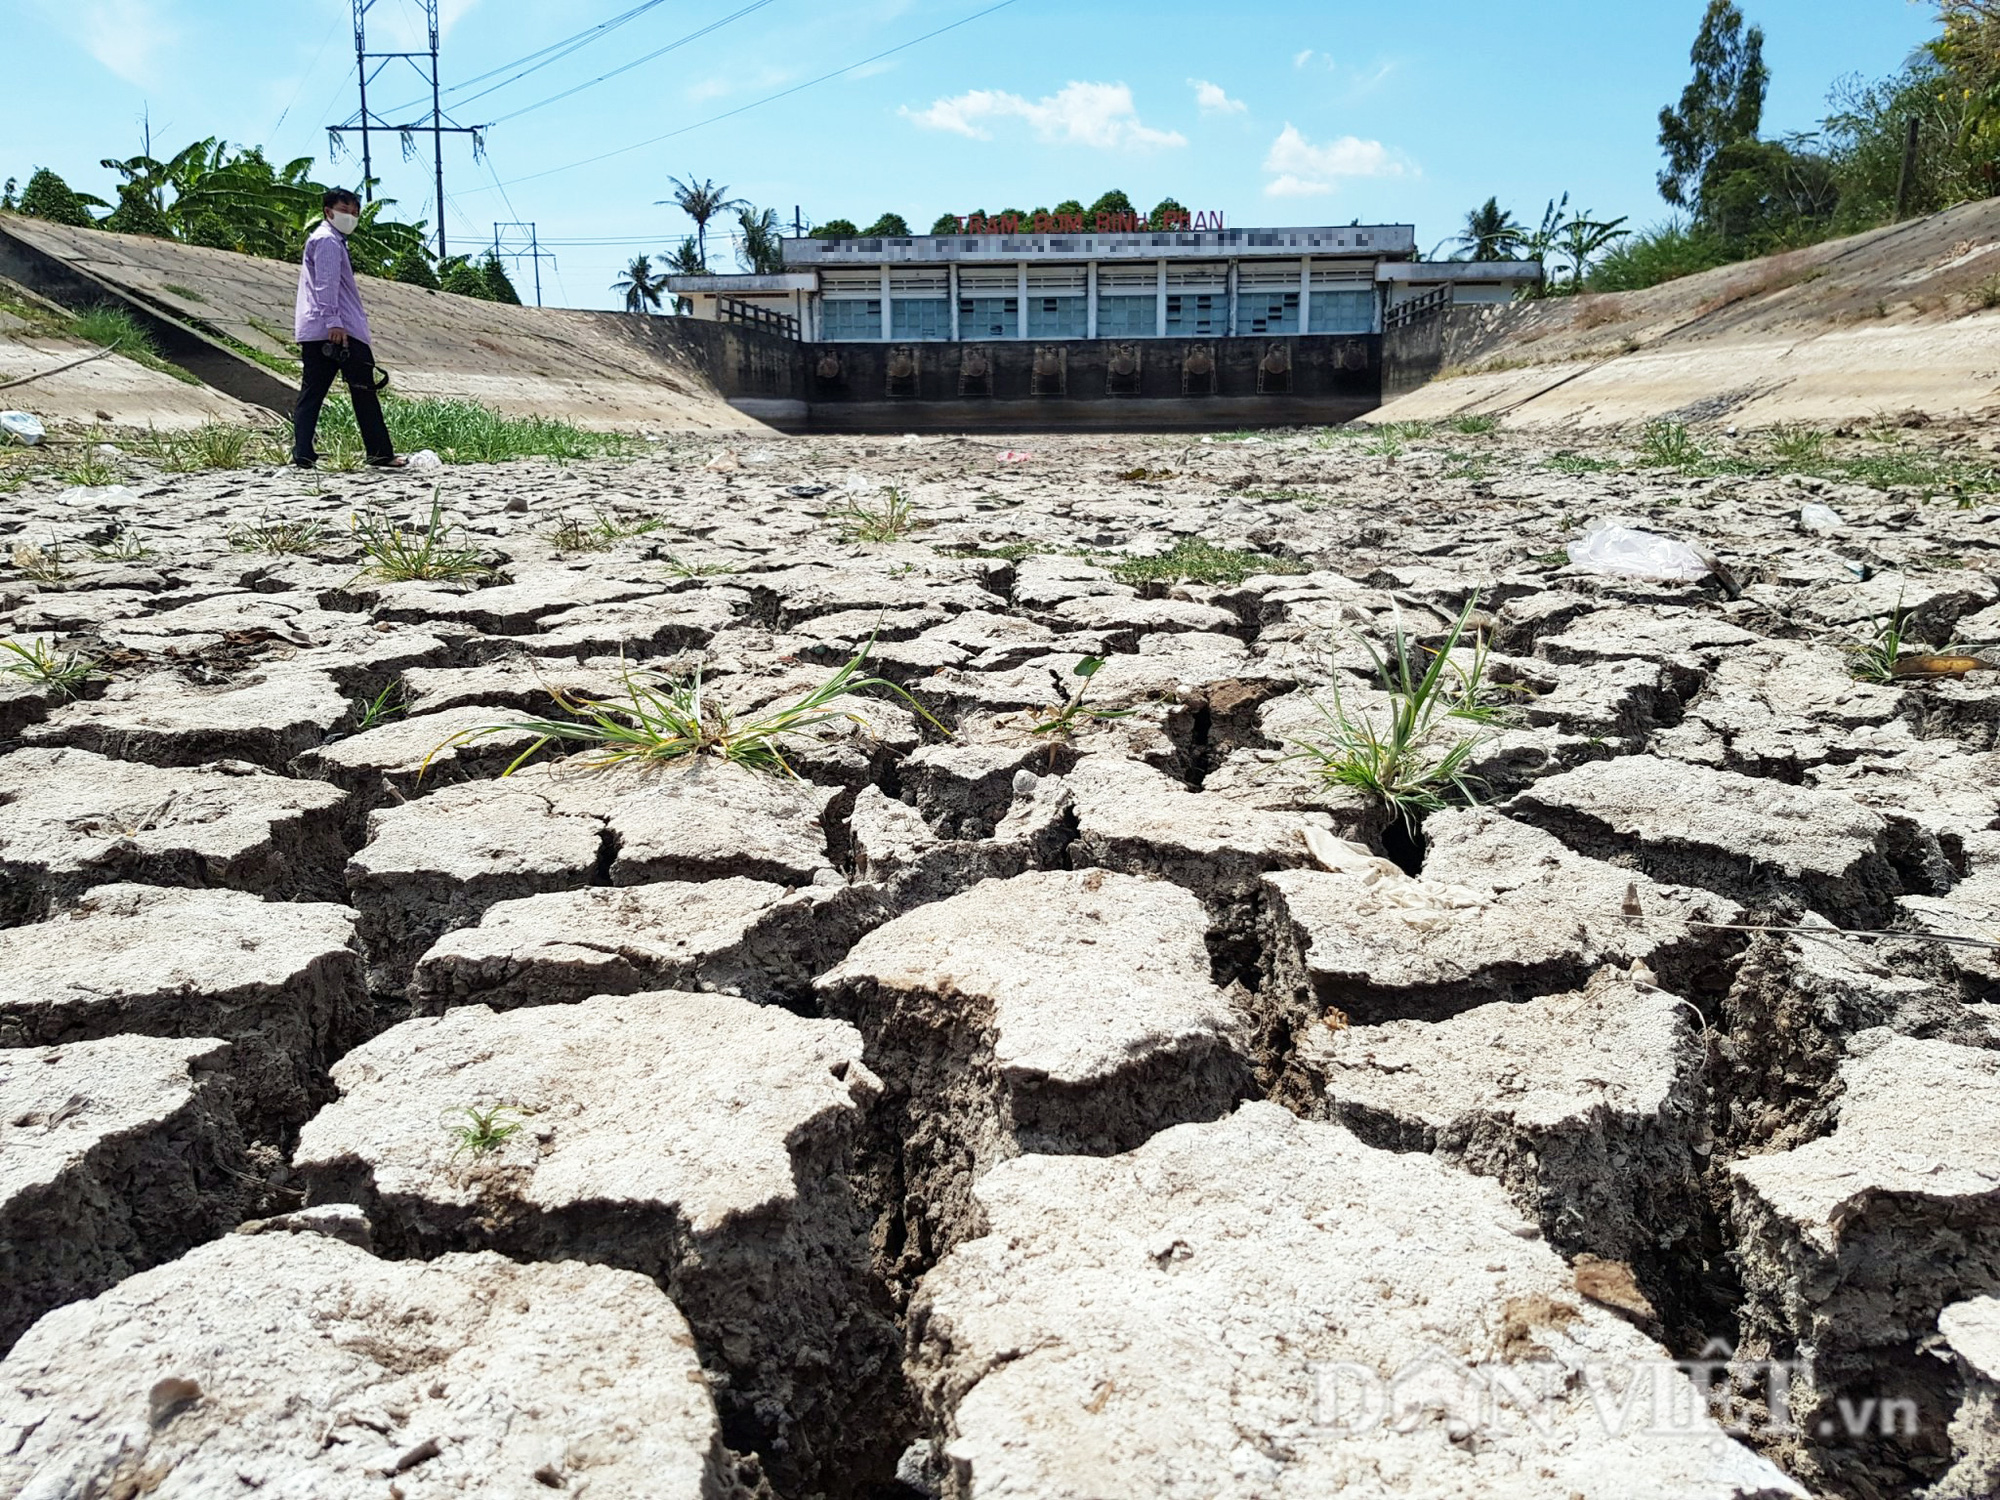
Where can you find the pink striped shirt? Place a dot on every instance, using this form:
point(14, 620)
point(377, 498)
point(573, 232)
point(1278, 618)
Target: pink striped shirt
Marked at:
point(328, 297)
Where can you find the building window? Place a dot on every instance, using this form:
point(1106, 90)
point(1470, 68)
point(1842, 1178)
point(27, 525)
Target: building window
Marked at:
point(1197, 314)
point(850, 318)
point(1268, 312)
point(920, 317)
point(1343, 312)
point(989, 317)
point(1128, 317)
point(1058, 317)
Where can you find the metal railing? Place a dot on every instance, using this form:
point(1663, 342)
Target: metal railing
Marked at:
point(1416, 309)
point(731, 310)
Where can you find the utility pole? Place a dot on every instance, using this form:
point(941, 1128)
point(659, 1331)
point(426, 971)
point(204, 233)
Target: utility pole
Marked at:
point(534, 252)
point(425, 65)
point(1905, 177)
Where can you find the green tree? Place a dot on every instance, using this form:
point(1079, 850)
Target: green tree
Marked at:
point(47, 196)
point(1722, 104)
point(836, 229)
point(8, 200)
point(686, 261)
point(458, 275)
point(702, 201)
point(1113, 202)
point(1581, 238)
point(413, 267)
point(1069, 206)
point(137, 213)
point(499, 286)
point(889, 226)
point(759, 248)
point(641, 287)
point(1491, 233)
point(945, 224)
point(1157, 220)
point(1763, 195)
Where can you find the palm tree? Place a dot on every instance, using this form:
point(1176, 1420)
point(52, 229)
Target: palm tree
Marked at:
point(685, 261)
point(701, 201)
point(760, 250)
point(641, 287)
point(1492, 233)
point(1582, 237)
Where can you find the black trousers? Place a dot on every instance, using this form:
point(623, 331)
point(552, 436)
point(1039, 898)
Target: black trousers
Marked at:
point(359, 372)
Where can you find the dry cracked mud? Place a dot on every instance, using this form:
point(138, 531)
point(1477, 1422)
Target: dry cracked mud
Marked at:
point(1027, 1081)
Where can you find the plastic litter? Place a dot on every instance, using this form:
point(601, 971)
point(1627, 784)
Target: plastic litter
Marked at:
point(1626, 552)
point(1817, 517)
point(110, 450)
point(102, 494)
point(725, 462)
point(1015, 456)
point(424, 460)
point(22, 427)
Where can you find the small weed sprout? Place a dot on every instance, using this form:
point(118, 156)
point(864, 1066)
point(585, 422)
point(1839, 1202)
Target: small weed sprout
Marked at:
point(1874, 658)
point(482, 1131)
point(280, 538)
point(1578, 463)
point(1413, 764)
point(891, 521)
point(574, 534)
point(1192, 560)
point(1798, 447)
point(372, 712)
point(396, 556)
point(36, 662)
point(683, 569)
point(1063, 721)
point(1474, 424)
point(659, 724)
point(42, 564)
point(1986, 296)
point(214, 445)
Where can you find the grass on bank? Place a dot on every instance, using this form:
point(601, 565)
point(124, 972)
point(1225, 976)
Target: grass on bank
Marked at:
point(115, 328)
point(432, 555)
point(659, 724)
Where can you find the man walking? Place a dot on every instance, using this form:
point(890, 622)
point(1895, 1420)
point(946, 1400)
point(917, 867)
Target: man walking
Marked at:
point(332, 331)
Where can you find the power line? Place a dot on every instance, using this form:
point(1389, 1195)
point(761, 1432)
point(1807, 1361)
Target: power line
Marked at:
point(636, 62)
point(756, 103)
point(553, 53)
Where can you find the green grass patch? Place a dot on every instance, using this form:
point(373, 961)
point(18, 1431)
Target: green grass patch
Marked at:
point(1006, 552)
point(185, 293)
point(1476, 424)
point(115, 328)
point(464, 432)
point(1579, 463)
point(1192, 560)
point(278, 364)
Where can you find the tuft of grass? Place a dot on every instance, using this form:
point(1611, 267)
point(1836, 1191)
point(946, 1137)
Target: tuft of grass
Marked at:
point(185, 293)
point(42, 564)
point(1414, 764)
point(37, 662)
point(1986, 296)
point(1578, 463)
point(1192, 560)
point(281, 538)
point(126, 545)
point(482, 1131)
point(87, 467)
point(1669, 445)
point(429, 556)
point(682, 569)
point(1874, 658)
point(213, 445)
point(1007, 552)
point(655, 725)
point(1474, 424)
point(1798, 447)
point(114, 328)
point(385, 705)
point(464, 432)
point(1062, 722)
point(574, 534)
point(891, 521)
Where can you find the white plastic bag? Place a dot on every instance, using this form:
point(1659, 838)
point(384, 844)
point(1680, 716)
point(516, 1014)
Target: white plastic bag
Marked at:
point(1817, 517)
point(101, 494)
point(425, 460)
point(1626, 552)
point(22, 427)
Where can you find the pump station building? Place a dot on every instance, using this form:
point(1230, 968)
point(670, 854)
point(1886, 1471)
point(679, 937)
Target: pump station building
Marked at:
point(1127, 328)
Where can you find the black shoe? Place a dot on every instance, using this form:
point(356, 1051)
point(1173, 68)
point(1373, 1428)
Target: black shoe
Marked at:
point(305, 463)
point(388, 463)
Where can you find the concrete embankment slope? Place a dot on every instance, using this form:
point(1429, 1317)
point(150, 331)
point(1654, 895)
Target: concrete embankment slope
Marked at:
point(212, 307)
point(1886, 322)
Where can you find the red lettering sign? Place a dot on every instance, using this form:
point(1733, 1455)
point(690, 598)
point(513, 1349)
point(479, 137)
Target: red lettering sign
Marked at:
point(1173, 221)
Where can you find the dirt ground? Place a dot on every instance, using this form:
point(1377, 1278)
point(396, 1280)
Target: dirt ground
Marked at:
point(1030, 1072)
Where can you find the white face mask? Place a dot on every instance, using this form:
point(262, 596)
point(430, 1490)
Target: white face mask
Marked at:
point(343, 222)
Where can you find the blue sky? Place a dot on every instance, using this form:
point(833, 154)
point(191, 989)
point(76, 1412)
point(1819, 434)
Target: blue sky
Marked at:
point(1274, 111)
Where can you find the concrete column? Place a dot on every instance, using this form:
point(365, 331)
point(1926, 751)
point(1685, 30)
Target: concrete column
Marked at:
point(951, 272)
point(1160, 311)
point(1021, 282)
point(1232, 299)
point(1305, 295)
point(886, 325)
point(1090, 300)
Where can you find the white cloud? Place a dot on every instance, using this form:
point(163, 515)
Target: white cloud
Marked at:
point(1081, 114)
point(1213, 100)
point(130, 37)
point(1300, 59)
point(1300, 169)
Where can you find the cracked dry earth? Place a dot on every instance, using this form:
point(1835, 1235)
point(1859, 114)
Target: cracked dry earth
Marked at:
point(992, 1113)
